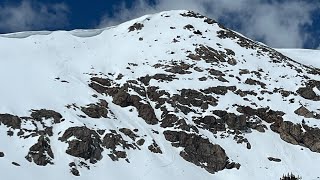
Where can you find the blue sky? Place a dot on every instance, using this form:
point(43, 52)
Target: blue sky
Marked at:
point(278, 23)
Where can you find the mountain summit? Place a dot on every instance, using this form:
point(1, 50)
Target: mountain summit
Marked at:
point(173, 95)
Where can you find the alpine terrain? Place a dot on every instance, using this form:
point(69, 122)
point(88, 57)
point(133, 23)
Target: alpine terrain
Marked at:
point(174, 95)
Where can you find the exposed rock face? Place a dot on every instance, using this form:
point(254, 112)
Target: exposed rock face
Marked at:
point(294, 134)
point(198, 150)
point(98, 110)
point(41, 153)
point(46, 114)
point(220, 90)
point(87, 144)
point(112, 140)
point(154, 147)
point(136, 27)
point(303, 111)
point(75, 172)
point(255, 82)
point(128, 133)
point(265, 114)
point(159, 77)
point(101, 81)
point(39, 123)
point(74, 169)
point(10, 121)
point(211, 123)
point(140, 142)
point(195, 98)
point(145, 111)
point(307, 91)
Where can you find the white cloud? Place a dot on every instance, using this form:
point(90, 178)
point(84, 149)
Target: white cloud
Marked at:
point(30, 16)
point(277, 23)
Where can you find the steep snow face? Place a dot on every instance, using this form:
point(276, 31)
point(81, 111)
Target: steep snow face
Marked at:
point(172, 95)
point(305, 56)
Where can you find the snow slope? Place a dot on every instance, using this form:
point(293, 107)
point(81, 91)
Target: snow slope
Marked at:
point(54, 71)
point(305, 56)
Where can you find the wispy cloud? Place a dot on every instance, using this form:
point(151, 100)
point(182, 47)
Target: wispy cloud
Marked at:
point(278, 23)
point(32, 15)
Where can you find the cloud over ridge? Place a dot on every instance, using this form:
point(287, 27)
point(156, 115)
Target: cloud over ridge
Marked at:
point(278, 23)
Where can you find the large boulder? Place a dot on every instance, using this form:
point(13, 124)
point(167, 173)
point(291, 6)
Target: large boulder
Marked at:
point(198, 150)
point(10, 121)
point(41, 153)
point(83, 142)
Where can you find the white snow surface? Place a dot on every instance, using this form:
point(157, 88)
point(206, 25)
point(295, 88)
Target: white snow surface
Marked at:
point(30, 62)
point(309, 57)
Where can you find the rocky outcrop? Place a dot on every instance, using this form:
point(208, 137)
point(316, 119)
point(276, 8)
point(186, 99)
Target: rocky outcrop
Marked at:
point(219, 90)
point(190, 97)
point(307, 91)
point(98, 110)
point(113, 140)
point(136, 27)
point(41, 153)
point(84, 143)
point(303, 111)
point(129, 133)
point(10, 121)
point(198, 150)
point(145, 111)
point(298, 134)
point(154, 147)
point(211, 123)
point(38, 115)
point(255, 82)
point(158, 77)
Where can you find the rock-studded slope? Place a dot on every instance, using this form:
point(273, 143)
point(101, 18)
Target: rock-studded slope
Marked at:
point(171, 95)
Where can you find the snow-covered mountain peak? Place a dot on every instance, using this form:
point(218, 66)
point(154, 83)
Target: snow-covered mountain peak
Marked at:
point(171, 95)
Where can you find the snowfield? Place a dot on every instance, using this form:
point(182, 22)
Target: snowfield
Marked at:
point(305, 56)
point(133, 76)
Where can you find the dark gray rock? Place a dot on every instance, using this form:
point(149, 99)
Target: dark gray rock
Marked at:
point(112, 140)
point(75, 172)
point(274, 159)
point(87, 145)
point(198, 150)
point(128, 133)
point(136, 27)
point(307, 93)
point(154, 147)
point(303, 111)
point(41, 153)
point(16, 164)
point(46, 114)
point(10, 121)
point(98, 110)
point(293, 134)
point(145, 111)
point(140, 142)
